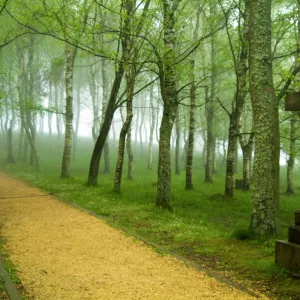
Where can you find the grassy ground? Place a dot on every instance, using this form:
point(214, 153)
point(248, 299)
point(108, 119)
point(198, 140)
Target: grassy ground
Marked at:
point(205, 227)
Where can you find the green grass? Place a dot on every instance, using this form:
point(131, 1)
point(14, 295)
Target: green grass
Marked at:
point(212, 231)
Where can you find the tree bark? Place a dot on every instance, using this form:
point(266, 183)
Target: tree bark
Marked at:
point(210, 110)
point(237, 105)
point(291, 160)
point(168, 81)
point(265, 197)
point(104, 105)
point(130, 81)
point(10, 155)
point(177, 148)
point(66, 160)
point(246, 146)
point(152, 128)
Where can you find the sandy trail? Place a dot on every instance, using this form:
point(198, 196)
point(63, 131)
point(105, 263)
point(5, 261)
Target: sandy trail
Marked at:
point(64, 253)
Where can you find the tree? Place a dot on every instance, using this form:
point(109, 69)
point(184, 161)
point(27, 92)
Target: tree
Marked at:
point(168, 84)
point(241, 69)
point(265, 197)
point(191, 138)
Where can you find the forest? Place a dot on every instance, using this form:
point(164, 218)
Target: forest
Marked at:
point(167, 117)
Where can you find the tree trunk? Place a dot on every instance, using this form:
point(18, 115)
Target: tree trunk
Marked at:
point(230, 161)
point(130, 154)
point(177, 148)
point(104, 105)
point(66, 160)
point(189, 146)
point(265, 197)
point(57, 108)
point(10, 156)
point(137, 125)
point(168, 81)
point(191, 138)
point(140, 130)
point(291, 160)
point(246, 146)
point(237, 106)
point(130, 80)
point(119, 72)
point(75, 132)
point(99, 145)
point(94, 95)
point(50, 115)
point(210, 111)
point(152, 127)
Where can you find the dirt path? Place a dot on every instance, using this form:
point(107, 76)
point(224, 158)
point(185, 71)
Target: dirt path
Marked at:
point(64, 253)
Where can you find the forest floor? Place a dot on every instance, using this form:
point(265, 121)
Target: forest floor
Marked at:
point(61, 252)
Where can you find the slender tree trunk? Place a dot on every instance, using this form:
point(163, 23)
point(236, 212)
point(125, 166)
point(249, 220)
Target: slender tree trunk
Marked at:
point(156, 124)
point(291, 160)
point(168, 81)
point(99, 145)
point(209, 142)
point(265, 197)
point(21, 147)
point(104, 105)
point(57, 108)
point(130, 80)
point(237, 106)
point(137, 125)
point(236, 158)
point(246, 146)
point(190, 147)
point(140, 130)
point(77, 121)
point(94, 95)
point(210, 111)
point(177, 148)
point(10, 156)
point(130, 154)
point(152, 127)
point(66, 160)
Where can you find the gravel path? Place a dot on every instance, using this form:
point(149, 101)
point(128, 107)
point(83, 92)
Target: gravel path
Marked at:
point(64, 253)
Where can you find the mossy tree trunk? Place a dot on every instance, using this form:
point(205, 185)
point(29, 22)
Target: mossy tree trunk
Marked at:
point(265, 196)
point(168, 81)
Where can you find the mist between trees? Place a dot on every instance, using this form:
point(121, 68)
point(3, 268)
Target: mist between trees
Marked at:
point(205, 75)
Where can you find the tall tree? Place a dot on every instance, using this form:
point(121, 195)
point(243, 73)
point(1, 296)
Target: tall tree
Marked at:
point(241, 69)
point(265, 197)
point(191, 135)
point(168, 83)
